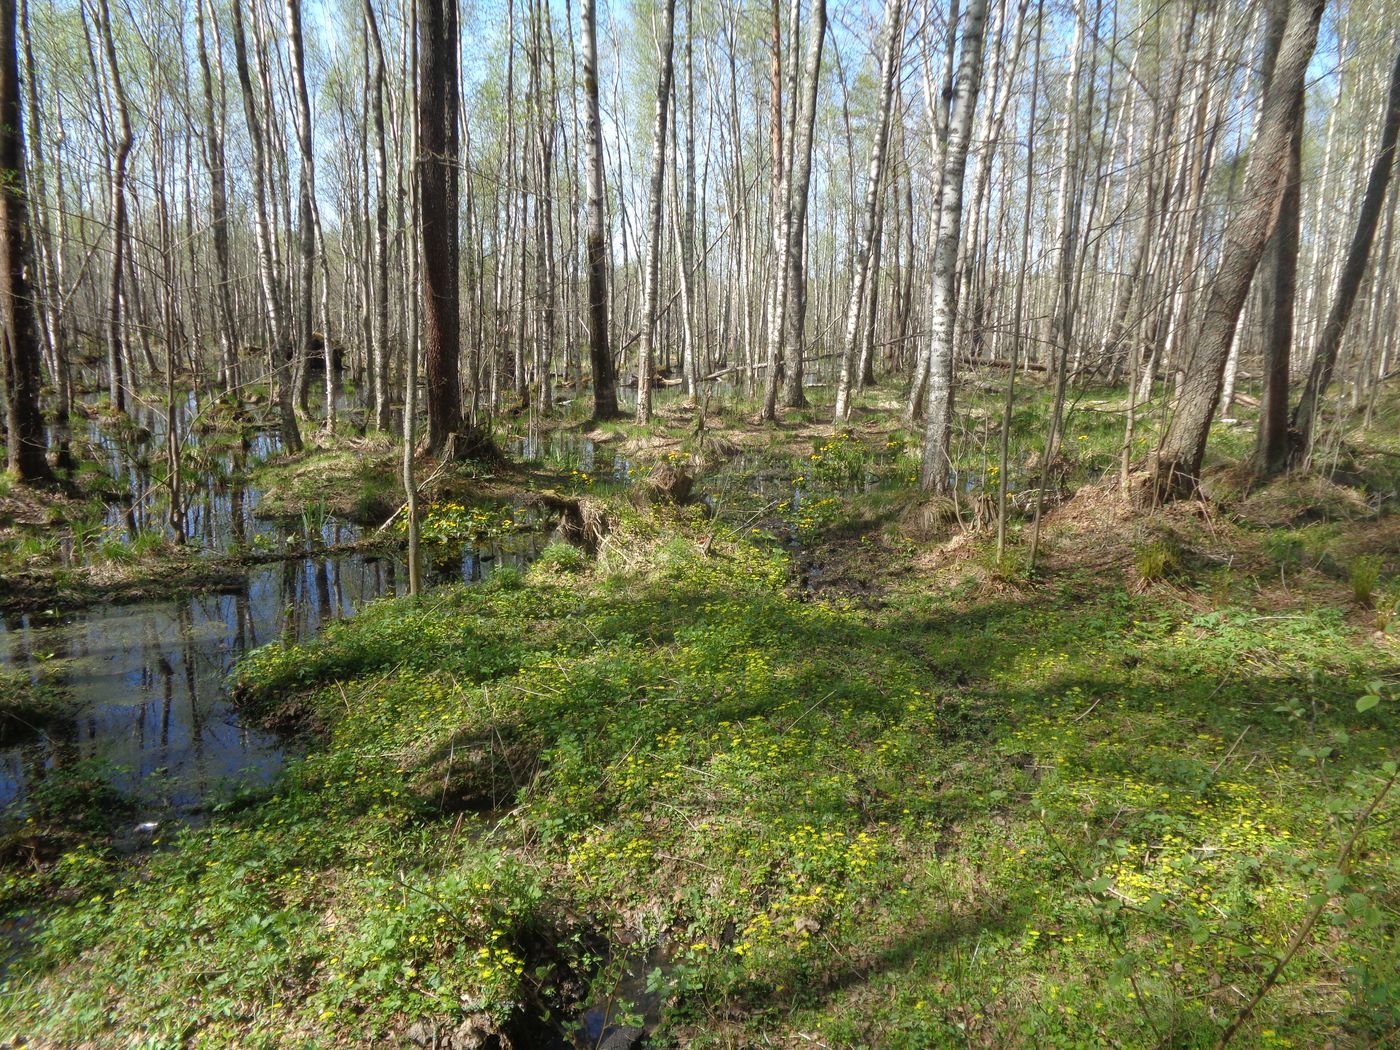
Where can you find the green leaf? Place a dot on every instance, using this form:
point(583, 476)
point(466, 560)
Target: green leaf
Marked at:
point(1367, 702)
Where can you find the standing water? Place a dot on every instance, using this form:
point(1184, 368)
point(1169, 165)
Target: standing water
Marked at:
point(147, 680)
point(144, 683)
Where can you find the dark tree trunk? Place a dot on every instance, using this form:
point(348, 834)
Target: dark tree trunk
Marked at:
point(439, 239)
point(25, 444)
point(121, 151)
point(1349, 280)
point(652, 274)
point(1272, 444)
point(302, 333)
point(799, 184)
point(218, 204)
point(599, 352)
point(1279, 288)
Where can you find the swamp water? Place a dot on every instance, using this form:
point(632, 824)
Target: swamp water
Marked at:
point(145, 682)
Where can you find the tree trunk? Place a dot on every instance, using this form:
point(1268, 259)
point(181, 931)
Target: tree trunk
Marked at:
point(25, 443)
point(778, 218)
point(1349, 280)
point(1176, 467)
point(279, 353)
point(860, 265)
point(599, 351)
point(655, 247)
point(933, 475)
point(48, 249)
point(302, 327)
point(439, 245)
point(1279, 289)
point(380, 342)
point(218, 203)
point(799, 182)
point(121, 151)
point(937, 103)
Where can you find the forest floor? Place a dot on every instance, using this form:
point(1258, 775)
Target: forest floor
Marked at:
point(801, 764)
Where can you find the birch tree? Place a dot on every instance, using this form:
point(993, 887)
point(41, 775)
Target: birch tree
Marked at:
point(933, 474)
point(1349, 279)
point(860, 266)
point(655, 247)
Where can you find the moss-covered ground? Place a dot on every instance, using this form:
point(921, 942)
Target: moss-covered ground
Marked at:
point(876, 790)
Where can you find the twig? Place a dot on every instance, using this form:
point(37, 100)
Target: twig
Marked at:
point(1085, 714)
point(420, 486)
point(815, 703)
point(1300, 938)
point(1225, 757)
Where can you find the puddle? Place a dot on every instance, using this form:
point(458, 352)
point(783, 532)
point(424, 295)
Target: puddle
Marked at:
point(634, 1000)
point(147, 679)
point(569, 450)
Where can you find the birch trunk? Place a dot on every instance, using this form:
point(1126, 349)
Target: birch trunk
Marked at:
point(937, 459)
point(860, 266)
point(655, 247)
point(1177, 464)
point(1349, 280)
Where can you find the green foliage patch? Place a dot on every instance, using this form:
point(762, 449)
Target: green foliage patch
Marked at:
point(1070, 818)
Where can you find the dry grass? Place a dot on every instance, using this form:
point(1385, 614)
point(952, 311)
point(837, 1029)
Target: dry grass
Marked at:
point(23, 506)
point(1298, 499)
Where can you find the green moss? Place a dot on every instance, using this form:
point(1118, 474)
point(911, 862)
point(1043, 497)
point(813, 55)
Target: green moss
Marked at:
point(974, 807)
point(1008, 816)
point(357, 484)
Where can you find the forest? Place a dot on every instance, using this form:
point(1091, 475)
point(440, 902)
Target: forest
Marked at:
point(700, 523)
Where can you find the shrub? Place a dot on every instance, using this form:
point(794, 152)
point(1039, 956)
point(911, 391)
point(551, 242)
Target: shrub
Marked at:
point(504, 578)
point(561, 557)
point(1286, 550)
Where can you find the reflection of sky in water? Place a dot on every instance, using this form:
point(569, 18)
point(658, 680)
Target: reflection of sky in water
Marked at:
point(149, 678)
point(134, 456)
point(571, 451)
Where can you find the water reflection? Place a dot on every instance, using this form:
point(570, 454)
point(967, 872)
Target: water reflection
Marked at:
point(570, 450)
point(147, 679)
